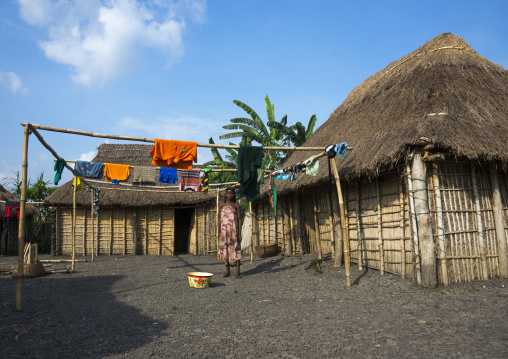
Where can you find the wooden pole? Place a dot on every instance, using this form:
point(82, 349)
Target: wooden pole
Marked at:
point(481, 239)
point(300, 222)
point(416, 245)
point(160, 230)
point(402, 230)
point(332, 229)
point(111, 231)
point(84, 231)
point(197, 228)
point(499, 221)
point(134, 226)
point(251, 233)
point(380, 229)
point(217, 224)
point(440, 225)
point(73, 266)
point(124, 231)
point(97, 249)
point(358, 226)
point(91, 217)
point(423, 220)
point(145, 244)
point(345, 230)
point(316, 226)
point(21, 224)
point(151, 140)
point(291, 229)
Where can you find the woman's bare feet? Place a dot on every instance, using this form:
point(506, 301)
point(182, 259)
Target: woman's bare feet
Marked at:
point(228, 273)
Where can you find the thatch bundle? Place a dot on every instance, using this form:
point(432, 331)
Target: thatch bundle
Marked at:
point(443, 91)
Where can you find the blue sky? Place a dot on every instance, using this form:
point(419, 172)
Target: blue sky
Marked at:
point(171, 69)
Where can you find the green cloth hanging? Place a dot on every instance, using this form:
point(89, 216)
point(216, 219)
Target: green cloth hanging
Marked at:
point(59, 166)
point(250, 159)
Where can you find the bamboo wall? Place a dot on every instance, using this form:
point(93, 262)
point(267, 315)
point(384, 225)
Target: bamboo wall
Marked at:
point(380, 223)
point(127, 231)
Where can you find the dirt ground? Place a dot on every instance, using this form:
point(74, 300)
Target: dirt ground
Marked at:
point(282, 307)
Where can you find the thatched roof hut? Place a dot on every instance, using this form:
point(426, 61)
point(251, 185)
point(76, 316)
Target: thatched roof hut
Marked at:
point(133, 219)
point(8, 196)
point(443, 91)
point(9, 233)
point(425, 189)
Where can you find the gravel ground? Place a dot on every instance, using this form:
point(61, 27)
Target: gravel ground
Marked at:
point(282, 307)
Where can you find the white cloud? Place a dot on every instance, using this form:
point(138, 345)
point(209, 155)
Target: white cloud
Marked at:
point(100, 38)
point(87, 156)
point(12, 82)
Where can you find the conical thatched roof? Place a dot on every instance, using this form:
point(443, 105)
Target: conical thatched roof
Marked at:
point(133, 155)
point(8, 196)
point(390, 110)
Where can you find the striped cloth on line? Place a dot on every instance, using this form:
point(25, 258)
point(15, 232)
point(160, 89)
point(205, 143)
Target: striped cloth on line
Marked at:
point(190, 180)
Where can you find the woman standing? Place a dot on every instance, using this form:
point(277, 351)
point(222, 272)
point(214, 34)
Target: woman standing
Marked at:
point(230, 250)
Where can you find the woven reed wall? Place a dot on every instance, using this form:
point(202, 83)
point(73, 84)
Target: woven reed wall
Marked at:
point(125, 231)
point(379, 222)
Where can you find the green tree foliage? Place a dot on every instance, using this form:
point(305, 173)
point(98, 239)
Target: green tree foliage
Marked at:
point(276, 133)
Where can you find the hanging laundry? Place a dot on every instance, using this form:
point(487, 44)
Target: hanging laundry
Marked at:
point(144, 174)
point(9, 206)
point(168, 175)
point(95, 206)
point(174, 154)
point(115, 173)
point(341, 150)
point(205, 179)
point(250, 159)
point(261, 173)
point(190, 180)
point(330, 153)
point(311, 166)
point(76, 182)
point(88, 169)
point(59, 166)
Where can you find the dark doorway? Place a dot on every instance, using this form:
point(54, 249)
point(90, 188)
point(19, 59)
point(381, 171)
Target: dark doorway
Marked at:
point(183, 218)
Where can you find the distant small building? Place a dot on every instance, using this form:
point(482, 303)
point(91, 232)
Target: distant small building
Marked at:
point(9, 226)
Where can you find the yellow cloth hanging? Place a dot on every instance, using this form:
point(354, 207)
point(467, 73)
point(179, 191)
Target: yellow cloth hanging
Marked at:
point(77, 182)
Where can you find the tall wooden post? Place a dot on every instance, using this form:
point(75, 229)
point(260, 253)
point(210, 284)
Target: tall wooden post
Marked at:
point(402, 230)
point(497, 206)
point(422, 211)
point(217, 224)
point(345, 229)
point(380, 229)
point(440, 225)
point(358, 226)
point(417, 275)
point(316, 225)
point(21, 228)
point(251, 233)
point(91, 217)
point(479, 225)
point(73, 233)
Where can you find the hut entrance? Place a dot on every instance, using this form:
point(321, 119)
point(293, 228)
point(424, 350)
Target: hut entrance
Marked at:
point(183, 218)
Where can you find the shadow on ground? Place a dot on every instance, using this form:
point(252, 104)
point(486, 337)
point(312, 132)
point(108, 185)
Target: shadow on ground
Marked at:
point(96, 323)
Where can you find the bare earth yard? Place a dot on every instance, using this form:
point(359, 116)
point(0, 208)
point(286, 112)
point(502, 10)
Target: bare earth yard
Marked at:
point(143, 307)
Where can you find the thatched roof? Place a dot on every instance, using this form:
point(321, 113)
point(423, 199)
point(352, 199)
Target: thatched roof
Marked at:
point(133, 155)
point(8, 196)
point(390, 110)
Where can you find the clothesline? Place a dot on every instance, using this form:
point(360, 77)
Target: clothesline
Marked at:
point(152, 140)
point(178, 169)
point(147, 186)
point(1, 201)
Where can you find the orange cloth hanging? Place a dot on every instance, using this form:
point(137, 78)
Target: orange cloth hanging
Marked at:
point(116, 172)
point(174, 154)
